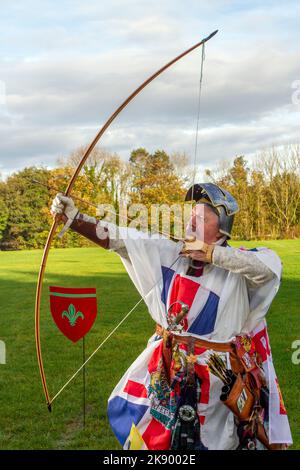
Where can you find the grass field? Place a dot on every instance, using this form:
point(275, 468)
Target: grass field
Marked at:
point(25, 422)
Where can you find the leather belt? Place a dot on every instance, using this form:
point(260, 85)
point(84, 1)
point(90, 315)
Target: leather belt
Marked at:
point(199, 343)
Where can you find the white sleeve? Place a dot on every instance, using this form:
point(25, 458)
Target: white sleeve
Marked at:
point(241, 262)
point(261, 295)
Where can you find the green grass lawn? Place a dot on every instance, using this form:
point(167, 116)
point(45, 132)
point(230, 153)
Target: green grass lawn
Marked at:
point(25, 422)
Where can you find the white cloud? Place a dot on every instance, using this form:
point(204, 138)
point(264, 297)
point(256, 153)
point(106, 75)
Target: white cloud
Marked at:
point(69, 66)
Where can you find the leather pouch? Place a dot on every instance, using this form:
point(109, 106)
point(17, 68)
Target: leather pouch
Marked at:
point(240, 400)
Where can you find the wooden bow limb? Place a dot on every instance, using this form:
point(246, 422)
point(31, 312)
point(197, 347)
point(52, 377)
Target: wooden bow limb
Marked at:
point(68, 192)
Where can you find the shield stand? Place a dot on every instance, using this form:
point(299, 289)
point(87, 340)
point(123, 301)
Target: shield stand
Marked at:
point(83, 381)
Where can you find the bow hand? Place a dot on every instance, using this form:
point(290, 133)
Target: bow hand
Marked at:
point(63, 208)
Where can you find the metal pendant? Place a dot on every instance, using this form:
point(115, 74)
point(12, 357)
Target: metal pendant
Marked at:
point(187, 413)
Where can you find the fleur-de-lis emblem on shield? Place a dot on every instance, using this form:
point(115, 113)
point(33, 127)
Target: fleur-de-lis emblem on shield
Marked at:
point(74, 310)
point(72, 315)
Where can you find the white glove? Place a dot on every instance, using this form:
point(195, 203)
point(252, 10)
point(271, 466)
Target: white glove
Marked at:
point(64, 205)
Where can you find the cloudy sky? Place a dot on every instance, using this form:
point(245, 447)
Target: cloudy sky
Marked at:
point(66, 65)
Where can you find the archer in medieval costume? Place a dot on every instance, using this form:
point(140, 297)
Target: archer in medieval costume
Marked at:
point(206, 379)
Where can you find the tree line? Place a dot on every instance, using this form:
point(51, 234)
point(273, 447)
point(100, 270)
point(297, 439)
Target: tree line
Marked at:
point(267, 191)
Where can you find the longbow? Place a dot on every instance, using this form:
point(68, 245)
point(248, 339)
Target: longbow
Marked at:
point(71, 183)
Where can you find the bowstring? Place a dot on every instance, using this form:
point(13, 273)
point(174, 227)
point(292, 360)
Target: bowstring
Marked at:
point(160, 278)
point(110, 334)
point(198, 118)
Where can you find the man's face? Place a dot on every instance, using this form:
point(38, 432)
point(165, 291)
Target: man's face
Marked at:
point(203, 224)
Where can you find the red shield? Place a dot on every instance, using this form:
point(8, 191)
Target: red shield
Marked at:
point(73, 310)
